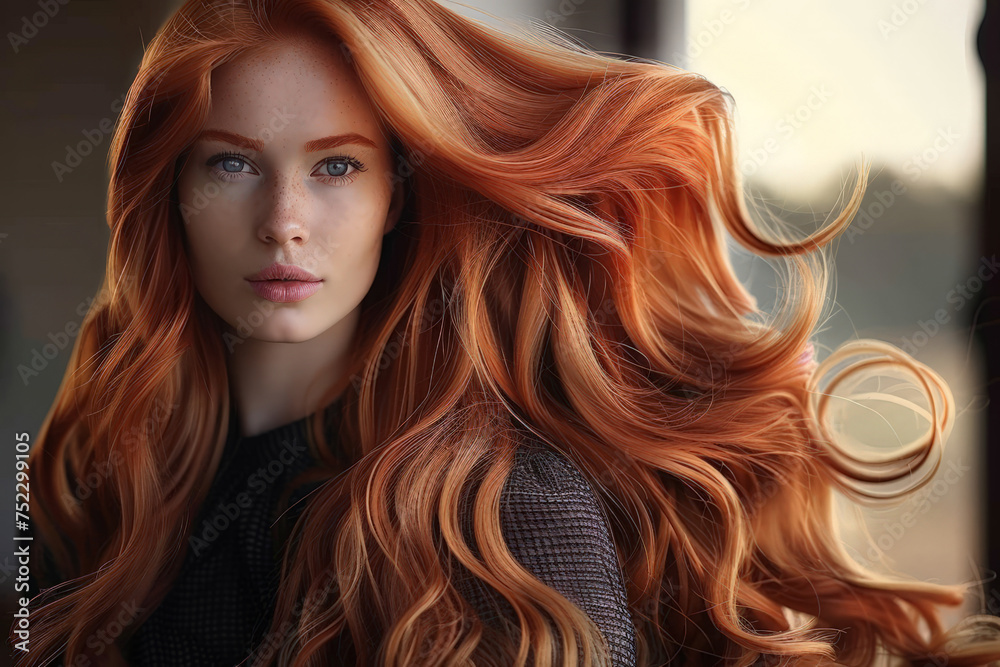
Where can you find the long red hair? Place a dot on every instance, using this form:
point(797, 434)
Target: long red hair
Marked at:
point(560, 273)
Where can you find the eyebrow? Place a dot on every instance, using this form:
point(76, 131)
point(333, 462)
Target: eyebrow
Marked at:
point(331, 141)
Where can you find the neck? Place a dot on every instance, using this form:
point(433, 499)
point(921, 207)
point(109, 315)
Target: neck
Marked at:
point(275, 383)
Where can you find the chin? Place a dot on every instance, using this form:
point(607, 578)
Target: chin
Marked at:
point(283, 339)
point(291, 334)
point(263, 324)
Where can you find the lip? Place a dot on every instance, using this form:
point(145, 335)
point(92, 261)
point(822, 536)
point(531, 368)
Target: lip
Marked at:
point(278, 271)
point(284, 283)
point(285, 291)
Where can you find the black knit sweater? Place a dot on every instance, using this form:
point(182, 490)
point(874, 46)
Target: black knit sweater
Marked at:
point(221, 604)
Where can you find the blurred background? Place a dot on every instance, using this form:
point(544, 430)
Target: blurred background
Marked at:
point(898, 81)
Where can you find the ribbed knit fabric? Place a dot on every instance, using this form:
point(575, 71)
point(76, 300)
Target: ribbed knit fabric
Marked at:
point(220, 606)
point(553, 525)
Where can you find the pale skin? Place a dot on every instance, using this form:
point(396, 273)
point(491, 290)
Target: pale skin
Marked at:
point(291, 199)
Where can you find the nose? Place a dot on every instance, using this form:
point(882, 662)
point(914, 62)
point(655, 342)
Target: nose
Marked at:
point(285, 216)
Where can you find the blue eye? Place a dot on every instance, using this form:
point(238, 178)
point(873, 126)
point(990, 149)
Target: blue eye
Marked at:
point(338, 163)
point(232, 164)
point(340, 166)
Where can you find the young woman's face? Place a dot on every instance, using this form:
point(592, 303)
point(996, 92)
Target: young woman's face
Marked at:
point(291, 169)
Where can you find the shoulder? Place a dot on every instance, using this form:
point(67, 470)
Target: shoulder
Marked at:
point(546, 490)
point(539, 467)
point(547, 502)
point(554, 525)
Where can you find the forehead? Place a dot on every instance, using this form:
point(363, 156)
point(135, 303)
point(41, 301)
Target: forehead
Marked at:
point(303, 79)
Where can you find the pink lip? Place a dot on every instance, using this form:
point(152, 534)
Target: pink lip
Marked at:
point(285, 291)
point(284, 283)
point(278, 271)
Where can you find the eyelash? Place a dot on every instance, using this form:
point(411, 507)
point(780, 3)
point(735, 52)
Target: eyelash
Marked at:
point(337, 180)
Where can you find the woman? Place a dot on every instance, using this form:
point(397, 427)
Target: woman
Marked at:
point(446, 317)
